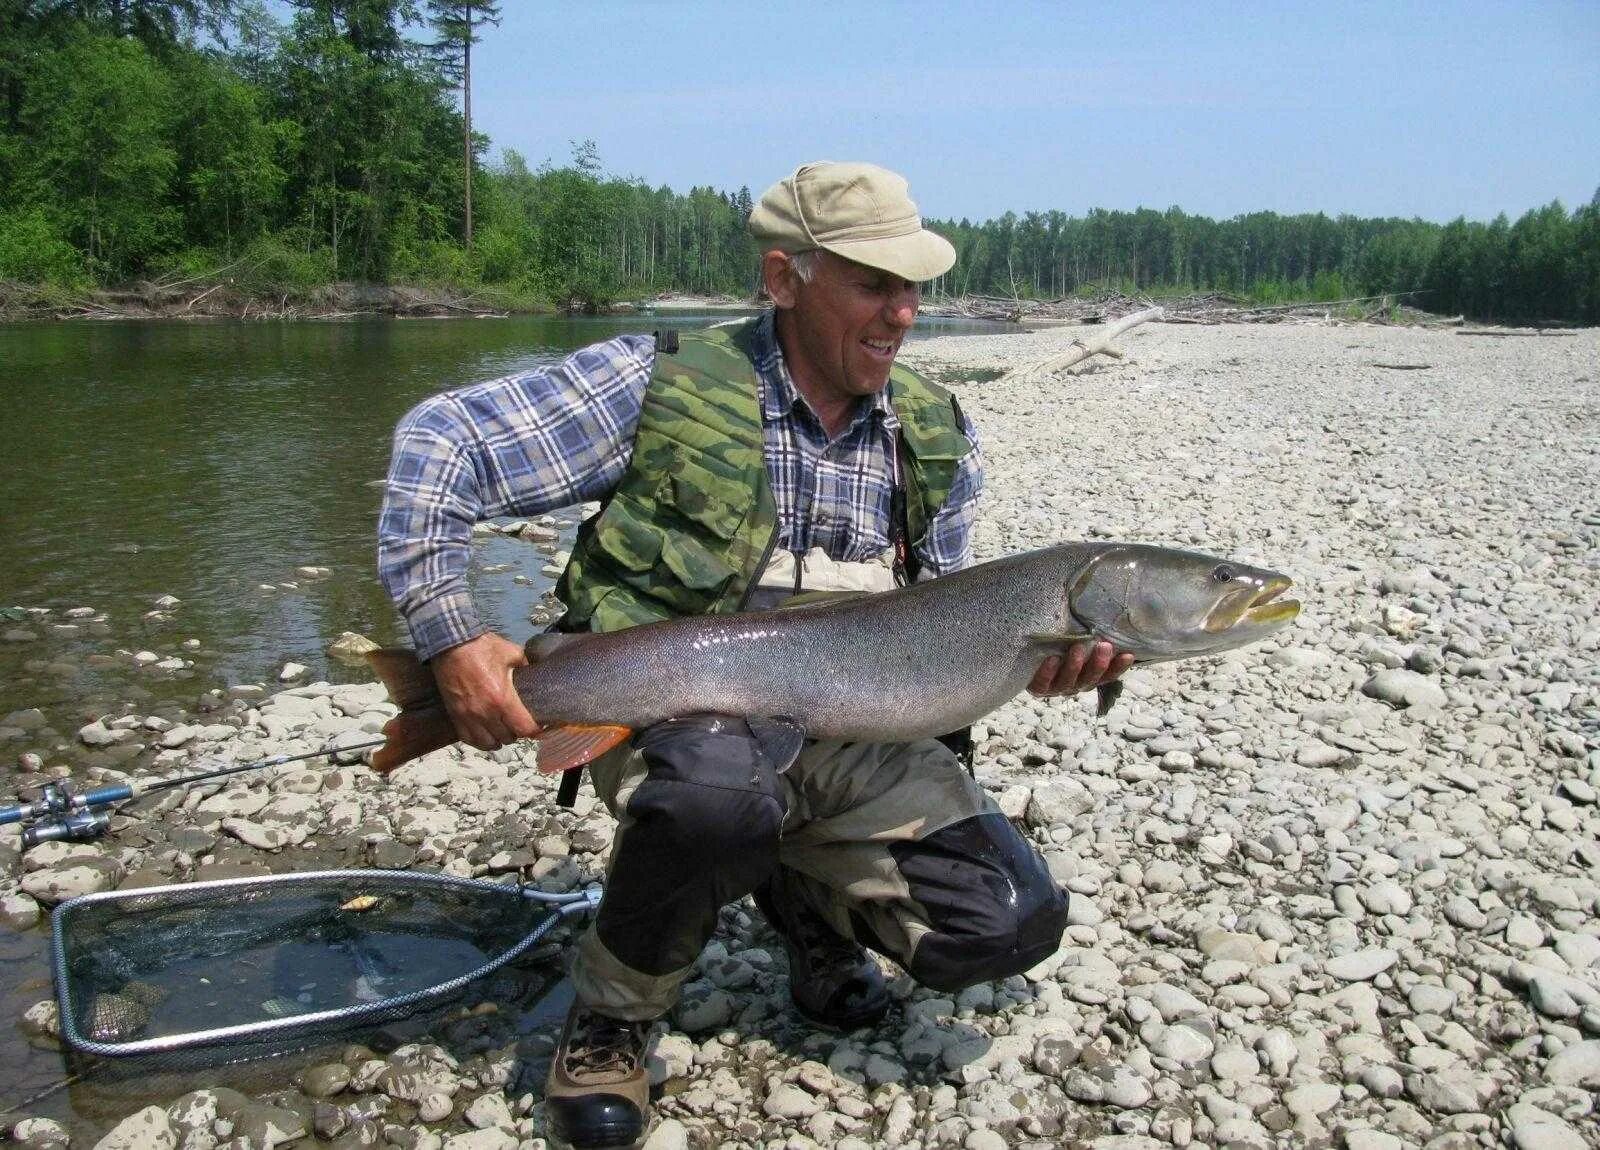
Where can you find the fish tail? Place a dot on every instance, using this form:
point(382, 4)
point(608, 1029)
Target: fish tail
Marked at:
point(423, 724)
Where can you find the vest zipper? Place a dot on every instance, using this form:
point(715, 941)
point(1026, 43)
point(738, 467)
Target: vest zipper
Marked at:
point(755, 577)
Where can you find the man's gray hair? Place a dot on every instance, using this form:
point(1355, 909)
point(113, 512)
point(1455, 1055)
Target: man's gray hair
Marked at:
point(806, 263)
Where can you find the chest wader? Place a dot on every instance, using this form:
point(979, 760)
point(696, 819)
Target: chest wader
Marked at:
point(692, 525)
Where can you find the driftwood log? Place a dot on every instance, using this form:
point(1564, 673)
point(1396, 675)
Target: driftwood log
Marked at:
point(1099, 344)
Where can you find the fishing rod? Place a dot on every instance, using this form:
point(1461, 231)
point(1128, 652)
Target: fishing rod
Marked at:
point(60, 813)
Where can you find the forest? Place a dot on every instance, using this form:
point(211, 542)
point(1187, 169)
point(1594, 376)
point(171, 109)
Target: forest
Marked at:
point(182, 138)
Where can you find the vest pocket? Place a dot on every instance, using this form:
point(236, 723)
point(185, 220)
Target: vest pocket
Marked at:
point(627, 540)
point(690, 495)
point(694, 566)
point(654, 557)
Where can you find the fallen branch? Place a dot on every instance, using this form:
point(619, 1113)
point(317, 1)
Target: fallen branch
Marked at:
point(190, 305)
point(1508, 334)
point(1080, 351)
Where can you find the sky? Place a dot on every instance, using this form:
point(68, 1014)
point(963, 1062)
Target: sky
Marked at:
point(1401, 108)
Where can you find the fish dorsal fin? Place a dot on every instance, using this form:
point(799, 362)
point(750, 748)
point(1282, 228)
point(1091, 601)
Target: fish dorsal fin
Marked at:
point(817, 598)
point(573, 745)
point(541, 647)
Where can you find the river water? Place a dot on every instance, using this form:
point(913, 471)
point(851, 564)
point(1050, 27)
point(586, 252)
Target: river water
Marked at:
point(208, 461)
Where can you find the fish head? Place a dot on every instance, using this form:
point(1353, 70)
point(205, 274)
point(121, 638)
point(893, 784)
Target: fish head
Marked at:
point(1160, 603)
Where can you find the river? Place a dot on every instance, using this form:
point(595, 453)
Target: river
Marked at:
point(208, 461)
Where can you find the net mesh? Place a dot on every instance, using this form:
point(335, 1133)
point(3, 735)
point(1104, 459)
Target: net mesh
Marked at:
point(281, 959)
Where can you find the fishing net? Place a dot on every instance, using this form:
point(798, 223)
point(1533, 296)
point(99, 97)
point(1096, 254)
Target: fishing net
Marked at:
point(270, 962)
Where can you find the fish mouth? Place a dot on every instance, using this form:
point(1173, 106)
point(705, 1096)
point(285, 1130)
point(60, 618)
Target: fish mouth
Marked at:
point(1255, 607)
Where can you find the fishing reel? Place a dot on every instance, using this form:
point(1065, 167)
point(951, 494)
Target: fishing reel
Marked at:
point(79, 826)
point(61, 814)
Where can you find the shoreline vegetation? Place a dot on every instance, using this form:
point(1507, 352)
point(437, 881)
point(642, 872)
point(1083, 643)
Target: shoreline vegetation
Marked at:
point(216, 297)
point(326, 163)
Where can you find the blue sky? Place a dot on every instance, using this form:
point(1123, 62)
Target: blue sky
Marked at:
point(1398, 108)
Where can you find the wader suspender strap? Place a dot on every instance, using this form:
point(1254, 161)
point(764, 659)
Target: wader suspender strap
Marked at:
point(906, 565)
point(567, 789)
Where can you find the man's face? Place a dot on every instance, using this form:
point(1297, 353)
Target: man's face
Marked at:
point(847, 324)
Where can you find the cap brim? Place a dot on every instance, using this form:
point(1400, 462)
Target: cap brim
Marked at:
point(920, 256)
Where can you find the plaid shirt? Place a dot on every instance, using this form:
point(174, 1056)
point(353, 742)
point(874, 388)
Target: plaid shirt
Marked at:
point(560, 435)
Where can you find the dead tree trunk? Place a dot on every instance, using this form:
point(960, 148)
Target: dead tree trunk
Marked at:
point(1099, 344)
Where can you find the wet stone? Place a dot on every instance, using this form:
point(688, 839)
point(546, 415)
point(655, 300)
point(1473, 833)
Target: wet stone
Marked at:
point(326, 1080)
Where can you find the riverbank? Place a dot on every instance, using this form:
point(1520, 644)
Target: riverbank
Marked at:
point(219, 297)
point(1338, 889)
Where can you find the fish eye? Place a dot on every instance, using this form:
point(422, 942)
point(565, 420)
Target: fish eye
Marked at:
point(1223, 574)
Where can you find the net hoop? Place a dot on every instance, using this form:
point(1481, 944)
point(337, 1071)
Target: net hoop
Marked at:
point(69, 1001)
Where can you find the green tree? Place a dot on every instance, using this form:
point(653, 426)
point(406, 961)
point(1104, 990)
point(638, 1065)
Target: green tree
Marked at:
point(99, 120)
point(457, 23)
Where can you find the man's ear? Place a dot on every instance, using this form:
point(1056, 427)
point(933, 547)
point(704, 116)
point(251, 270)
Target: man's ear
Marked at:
point(779, 278)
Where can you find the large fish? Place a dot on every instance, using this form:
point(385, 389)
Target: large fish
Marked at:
point(892, 667)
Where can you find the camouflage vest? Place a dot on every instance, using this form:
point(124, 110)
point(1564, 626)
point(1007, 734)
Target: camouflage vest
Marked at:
point(693, 521)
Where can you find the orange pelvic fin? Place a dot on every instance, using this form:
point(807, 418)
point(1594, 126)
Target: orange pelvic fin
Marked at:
point(412, 734)
point(562, 748)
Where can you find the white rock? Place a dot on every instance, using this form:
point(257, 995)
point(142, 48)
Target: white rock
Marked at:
point(489, 1110)
point(1182, 1044)
point(40, 1132)
point(1370, 1139)
point(669, 1134)
point(1576, 1065)
point(18, 911)
point(149, 1129)
point(1312, 1099)
point(435, 1106)
point(1536, 1129)
point(1404, 688)
point(351, 648)
point(87, 876)
point(789, 1102)
point(1361, 965)
point(493, 1138)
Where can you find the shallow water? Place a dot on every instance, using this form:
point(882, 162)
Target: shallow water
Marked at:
point(208, 461)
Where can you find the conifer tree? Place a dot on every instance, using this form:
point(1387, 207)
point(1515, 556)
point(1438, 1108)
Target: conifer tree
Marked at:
point(457, 23)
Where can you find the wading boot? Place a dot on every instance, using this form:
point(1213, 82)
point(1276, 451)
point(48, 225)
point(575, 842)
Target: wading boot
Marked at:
point(599, 1092)
point(833, 982)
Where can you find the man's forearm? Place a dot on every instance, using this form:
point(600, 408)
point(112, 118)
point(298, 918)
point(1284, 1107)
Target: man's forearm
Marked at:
point(521, 445)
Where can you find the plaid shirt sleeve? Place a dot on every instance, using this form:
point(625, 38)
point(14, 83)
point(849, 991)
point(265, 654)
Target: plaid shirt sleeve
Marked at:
point(521, 445)
point(947, 546)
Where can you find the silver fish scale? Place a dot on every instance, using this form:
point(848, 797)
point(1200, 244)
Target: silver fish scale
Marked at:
point(903, 665)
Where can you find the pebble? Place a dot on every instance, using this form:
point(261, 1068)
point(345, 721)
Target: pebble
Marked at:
point(1361, 965)
point(1404, 688)
point(1576, 1065)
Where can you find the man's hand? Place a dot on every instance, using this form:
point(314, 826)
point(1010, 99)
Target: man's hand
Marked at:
point(1084, 667)
point(475, 680)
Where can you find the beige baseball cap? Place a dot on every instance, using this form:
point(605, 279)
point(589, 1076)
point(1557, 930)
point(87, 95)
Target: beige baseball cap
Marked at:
point(859, 211)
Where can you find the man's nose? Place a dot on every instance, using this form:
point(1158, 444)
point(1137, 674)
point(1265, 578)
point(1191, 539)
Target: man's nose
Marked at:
point(902, 307)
